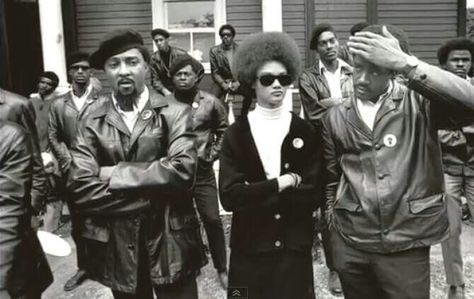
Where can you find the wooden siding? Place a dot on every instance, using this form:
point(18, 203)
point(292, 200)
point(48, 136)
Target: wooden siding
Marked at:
point(245, 16)
point(97, 17)
point(428, 23)
point(294, 23)
point(341, 14)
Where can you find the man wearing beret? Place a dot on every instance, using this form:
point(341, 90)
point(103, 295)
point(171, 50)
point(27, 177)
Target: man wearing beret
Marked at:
point(384, 186)
point(161, 61)
point(327, 83)
point(457, 145)
point(64, 115)
point(132, 172)
point(210, 123)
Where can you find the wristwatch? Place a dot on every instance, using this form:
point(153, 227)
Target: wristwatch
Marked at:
point(411, 64)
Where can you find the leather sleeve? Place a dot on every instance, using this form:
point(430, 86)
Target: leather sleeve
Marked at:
point(91, 194)
point(236, 193)
point(219, 127)
point(332, 168)
point(215, 69)
point(15, 182)
point(176, 171)
point(39, 189)
point(312, 108)
point(155, 78)
point(448, 94)
point(58, 148)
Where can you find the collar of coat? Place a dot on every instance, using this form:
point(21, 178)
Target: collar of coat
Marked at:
point(155, 100)
point(345, 68)
point(220, 47)
point(398, 91)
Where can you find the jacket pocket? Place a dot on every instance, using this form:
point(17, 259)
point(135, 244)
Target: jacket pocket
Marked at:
point(184, 222)
point(348, 206)
point(426, 206)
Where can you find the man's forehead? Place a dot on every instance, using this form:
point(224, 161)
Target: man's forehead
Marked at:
point(187, 68)
point(460, 53)
point(80, 63)
point(158, 36)
point(46, 80)
point(326, 35)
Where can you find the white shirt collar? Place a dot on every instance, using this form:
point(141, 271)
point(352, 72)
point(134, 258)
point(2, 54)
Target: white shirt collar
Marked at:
point(341, 64)
point(131, 117)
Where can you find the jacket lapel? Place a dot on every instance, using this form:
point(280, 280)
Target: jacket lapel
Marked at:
point(69, 102)
point(114, 119)
point(354, 120)
point(147, 115)
point(254, 162)
point(389, 104)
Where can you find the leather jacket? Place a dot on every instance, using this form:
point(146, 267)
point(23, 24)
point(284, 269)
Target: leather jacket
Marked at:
point(160, 76)
point(210, 123)
point(385, 190)
point(23, 265)
point(315, 94)
point(62, 126)
point(19, 110)
point(220, 66)
point(457, 147)
point(265, 220)
point(154, 165)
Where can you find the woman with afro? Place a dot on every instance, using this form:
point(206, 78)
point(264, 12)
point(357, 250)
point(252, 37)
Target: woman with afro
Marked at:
point(270, 177)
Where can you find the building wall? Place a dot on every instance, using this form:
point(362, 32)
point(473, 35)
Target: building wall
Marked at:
point(245, 16)
point(428, 23)
point(294, 23)
point(97, 17)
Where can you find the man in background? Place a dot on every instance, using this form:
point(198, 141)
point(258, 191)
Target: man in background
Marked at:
point(161, 61)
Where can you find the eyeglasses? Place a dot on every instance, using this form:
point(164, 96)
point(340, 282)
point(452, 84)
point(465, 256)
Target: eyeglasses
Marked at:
point(267, 80)
point(226, 35)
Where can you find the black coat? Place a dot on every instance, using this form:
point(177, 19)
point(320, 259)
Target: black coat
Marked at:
point(23, 265)
point(385, 188)
point(263, 218)
point(19, 110)
point(154, 165)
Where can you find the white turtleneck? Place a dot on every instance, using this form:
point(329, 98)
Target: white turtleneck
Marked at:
point(269, 128)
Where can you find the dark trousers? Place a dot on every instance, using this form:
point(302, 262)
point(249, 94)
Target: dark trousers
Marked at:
point(205, 195)
point(272, 275)
point(184, 289)
point(76, 221)
point(364, 275)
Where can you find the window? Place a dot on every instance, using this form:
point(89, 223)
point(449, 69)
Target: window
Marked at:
point(193, 25)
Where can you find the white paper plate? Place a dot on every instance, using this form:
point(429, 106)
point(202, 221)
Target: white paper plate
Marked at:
point(53, 244)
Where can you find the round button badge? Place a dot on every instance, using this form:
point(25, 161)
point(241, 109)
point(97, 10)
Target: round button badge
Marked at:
point(390, 140)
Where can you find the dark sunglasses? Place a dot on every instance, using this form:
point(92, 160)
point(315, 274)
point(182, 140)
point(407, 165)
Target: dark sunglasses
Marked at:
point(226, 35)
point(267, 80)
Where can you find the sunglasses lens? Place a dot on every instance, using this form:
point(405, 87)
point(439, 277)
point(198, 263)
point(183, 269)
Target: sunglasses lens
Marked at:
point(285, 80)
point(268, 80)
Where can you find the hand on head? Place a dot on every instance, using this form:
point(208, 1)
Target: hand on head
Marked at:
point(381, 50)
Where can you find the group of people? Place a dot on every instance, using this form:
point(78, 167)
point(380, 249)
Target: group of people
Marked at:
point(383, 151)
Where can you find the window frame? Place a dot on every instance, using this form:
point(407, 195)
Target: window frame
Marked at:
point(159, 20)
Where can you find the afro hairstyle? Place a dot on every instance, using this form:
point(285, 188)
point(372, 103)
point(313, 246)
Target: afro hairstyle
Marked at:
point(317, 31)
point(260, 48)
point(227, 27)
point(398, 33)
point(459, 43)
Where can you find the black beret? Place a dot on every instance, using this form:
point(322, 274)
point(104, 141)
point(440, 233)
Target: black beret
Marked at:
point(160, 31)
point(76, 57)
point(184, 60)
point(320, 28)
point(51, 76)
point(115, 42)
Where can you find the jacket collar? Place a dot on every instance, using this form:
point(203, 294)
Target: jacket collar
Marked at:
point(390, 104)
point(220, 47)
point(345, 68)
